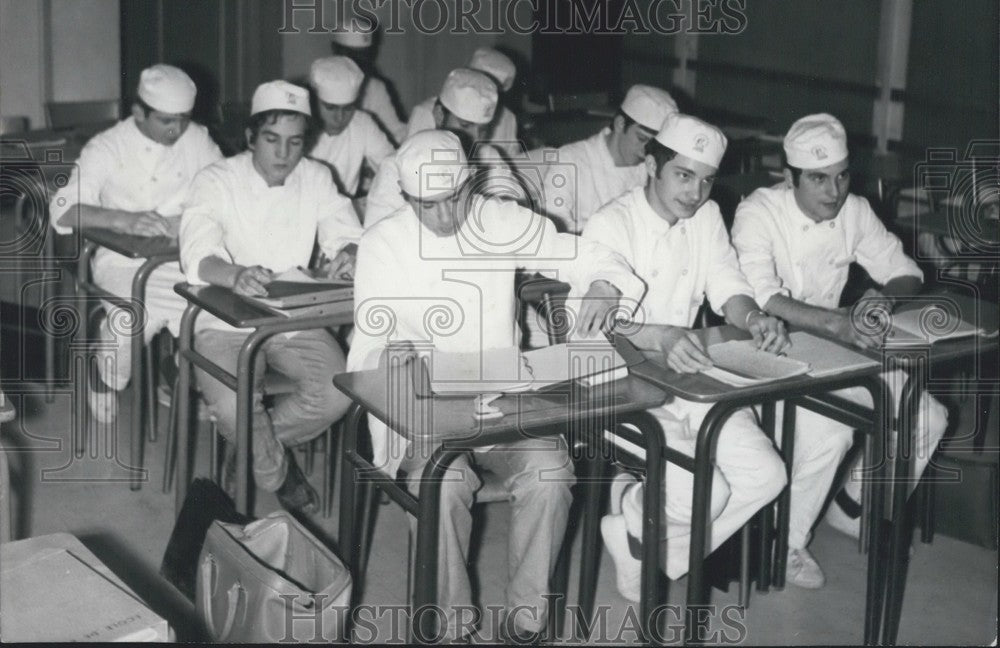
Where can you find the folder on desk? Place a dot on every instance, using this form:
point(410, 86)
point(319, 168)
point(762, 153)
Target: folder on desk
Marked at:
point(927, 325)
point(741, 364)
point(295, 290)
point(825, 357)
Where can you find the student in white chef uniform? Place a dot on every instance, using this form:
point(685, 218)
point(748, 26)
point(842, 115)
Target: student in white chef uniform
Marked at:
point(796, 242)
point(350, 137)
point(502, 130)
point(674, 238)
point(132, 178)
point(355, 41)
point(450, 248)
point(468, 101)
point(608, 163)
point(249, 218)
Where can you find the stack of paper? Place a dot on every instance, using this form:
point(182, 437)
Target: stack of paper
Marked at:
point(826, 358)
point(295, 293)
point(928, 325)
point(741, 364)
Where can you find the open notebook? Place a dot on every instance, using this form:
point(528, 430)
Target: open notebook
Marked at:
point(928, 325)
point(296, 292)
point(591, 362)
point(741, 364)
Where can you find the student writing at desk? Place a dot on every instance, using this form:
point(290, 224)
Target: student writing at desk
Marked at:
point(132, 178)
point(674, 238)
point(796, 242)
point(248, 218)
point(448, 247)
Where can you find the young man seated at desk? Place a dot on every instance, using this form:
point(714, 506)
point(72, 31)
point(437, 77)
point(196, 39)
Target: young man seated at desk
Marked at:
point(448, 246)
point(673, 237)
point(132, 178)
point(796, 242)
point(350, 137)
point(248, 218)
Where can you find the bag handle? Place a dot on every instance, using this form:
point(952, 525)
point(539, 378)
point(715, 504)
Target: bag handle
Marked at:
point(233, 596)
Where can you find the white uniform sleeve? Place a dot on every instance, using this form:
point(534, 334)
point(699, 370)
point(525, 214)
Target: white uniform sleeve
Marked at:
point(879, 251)
point(202, 231)
point(754, 242)
point(725, 279)
point(96, 162)
point(375, 281)
point(377, 146)
point(338, 224)
point(384, 197)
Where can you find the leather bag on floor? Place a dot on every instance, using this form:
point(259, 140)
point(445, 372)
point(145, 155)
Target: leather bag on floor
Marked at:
point(271, 581)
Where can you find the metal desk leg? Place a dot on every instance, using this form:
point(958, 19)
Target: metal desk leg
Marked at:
point(82, 337)
point(591, 480)
point(423, 617)
point(785, 499)
point(697, 595)
point(899, 555)
point(245, 370)
point(875, 476)
point(766, 531)
point(348, 489)
point(183, 400)
point(652, 512)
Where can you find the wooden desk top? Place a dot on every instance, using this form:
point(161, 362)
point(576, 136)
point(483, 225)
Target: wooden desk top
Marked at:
point(236, 311)
point(390, 397)
point(132, 246)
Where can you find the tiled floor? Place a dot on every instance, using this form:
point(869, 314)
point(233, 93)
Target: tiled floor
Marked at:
point(951, 595)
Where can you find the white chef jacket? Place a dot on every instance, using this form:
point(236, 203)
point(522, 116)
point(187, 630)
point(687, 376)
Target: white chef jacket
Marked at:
point(232, 213)
point(385, 197)
point(598, 181)
point(457, 292)
point(680, 263)
point(362, 141)
point(503, 134)
point(783, 251)
point(120, 168)
point(376, 101)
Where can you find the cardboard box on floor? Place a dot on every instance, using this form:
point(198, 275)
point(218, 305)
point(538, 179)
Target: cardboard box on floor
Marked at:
point(52, 588)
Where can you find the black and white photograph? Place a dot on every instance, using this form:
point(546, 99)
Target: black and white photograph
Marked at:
point(511, 322)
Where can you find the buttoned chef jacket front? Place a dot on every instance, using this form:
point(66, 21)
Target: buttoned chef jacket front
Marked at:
point(457, 292)
point(783, 251)
point(593, 181)
point(120, 168)
point(680, 263)
point(231, 213)
point(362, 141)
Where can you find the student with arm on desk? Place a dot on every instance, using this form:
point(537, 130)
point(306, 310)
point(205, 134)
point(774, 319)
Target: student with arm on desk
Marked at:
point(248, 218)
point(795, 243)
point(673, 237)
point(449, 249)
point(132, 179)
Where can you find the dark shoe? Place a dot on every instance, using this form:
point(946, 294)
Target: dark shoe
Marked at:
point(296, 494)
point(513, 635)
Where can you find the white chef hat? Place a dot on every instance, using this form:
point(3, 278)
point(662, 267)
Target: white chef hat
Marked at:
point(337, 79)
point(432, 164)
point(470, 95)
point(357, 34)
point(280, 95)
point(167, 89)
point(815, 141)
point(496, 64)
point(693, 138)
point(648, 106)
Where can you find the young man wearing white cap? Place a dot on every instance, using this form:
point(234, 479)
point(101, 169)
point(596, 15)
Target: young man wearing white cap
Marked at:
point(674, 238)
point(350, 138)
point(449, 250)
point(796, 242)
point(610, 162)
point(502, 129)
point(467, 102)
point(132, 178)
point(355, 41)
point(249, 218)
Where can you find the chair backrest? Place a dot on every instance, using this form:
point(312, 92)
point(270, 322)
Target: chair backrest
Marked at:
point(64, 114)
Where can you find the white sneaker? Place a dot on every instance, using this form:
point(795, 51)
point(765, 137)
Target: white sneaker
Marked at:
point(841, 521)
point(628, 570)
point(802, 570)
point(103, 405)
point(619, 485)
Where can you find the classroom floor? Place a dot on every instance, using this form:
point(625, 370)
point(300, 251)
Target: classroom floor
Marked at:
point(951, 595)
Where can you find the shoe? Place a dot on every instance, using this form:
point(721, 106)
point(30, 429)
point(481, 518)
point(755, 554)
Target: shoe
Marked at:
point(513, 635)
point(803, 570)
point(619, 485)
point(103, 405)
point(628, 570)
point(844, 515)
point(295, 493)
